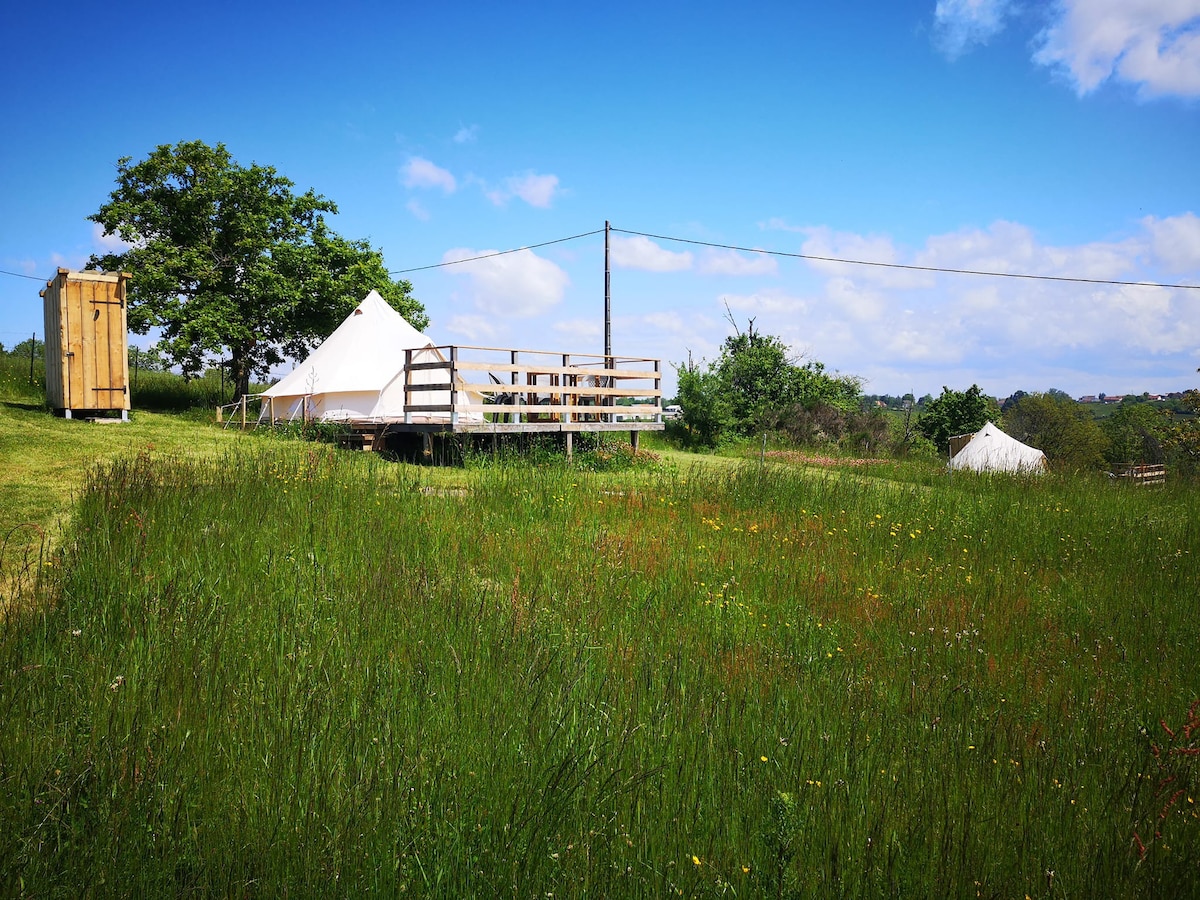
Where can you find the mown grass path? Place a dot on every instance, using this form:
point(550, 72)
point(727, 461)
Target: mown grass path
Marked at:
point(44, 461)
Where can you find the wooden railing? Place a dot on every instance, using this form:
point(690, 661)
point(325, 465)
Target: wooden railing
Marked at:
point(517, 386)
point(1139, 475)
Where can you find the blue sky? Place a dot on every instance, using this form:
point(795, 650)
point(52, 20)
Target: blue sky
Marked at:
point(1052, 139)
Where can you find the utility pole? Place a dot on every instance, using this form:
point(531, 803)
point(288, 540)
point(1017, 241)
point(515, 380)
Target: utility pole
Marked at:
point(607, 301)
point(607, 380)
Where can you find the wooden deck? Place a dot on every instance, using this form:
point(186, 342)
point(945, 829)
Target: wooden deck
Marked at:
point(492, 390)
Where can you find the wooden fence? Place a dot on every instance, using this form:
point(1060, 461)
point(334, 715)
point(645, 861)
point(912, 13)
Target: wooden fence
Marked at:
point(496, 386)
point(1142, 475)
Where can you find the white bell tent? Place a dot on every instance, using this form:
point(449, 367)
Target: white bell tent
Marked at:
point(357, 373)
point(991, 450)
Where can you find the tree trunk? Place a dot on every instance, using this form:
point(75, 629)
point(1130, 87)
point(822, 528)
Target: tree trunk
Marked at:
point(239, 370)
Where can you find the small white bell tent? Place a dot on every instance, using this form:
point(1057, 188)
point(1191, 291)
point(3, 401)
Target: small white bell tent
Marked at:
point(357, 373)
point(991, 450)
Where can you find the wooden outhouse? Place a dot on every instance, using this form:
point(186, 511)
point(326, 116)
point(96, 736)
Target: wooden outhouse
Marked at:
point(87, 350)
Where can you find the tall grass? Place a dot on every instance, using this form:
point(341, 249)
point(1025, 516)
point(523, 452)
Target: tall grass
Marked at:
point(166, 391)
point(149, 390)
point(294, 669)
point(16, 386)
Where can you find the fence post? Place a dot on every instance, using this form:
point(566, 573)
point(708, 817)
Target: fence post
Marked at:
point(32, 351)
point(407, 388)
point(516, 417)
point(453, 382)
point(574, 398)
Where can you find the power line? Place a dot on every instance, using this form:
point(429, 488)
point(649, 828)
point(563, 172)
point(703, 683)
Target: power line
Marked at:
point(805, 256)
point(455, 262)
point(19, 275)
point(863, 262)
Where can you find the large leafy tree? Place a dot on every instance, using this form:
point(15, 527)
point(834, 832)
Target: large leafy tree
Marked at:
point(1183, 442)
point(760, 378)
point(755, 384)
point(955, 413)
point(227, 260)
point(707, 415)
point(1136, 434)
point(1060, 428)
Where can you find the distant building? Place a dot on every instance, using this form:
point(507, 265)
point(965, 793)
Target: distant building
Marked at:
point(1088, 398)
point(1114, 398)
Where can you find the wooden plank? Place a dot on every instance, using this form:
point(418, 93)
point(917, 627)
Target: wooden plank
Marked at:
point(95, 336)
point(443, 426)
point(550, 427)
point(114, 341)
point(120, 340)
point(528, 409)
point(545, 370)
point(97, 318)
point(574, 390)
point(52, 319)
point(92, 275)
point(78, 367)
point(553, 353)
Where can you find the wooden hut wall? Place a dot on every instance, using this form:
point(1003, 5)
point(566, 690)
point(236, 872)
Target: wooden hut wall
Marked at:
point(87, 356)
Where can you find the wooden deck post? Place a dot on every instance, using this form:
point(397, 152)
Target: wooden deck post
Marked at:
point(657, 389)
point(570, 444)
point(407, 387)
point(453, 381)
point(515, 417)
point(633, 439)
point(568, 399)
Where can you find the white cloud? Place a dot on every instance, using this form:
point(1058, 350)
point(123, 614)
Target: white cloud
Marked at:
point(518, 285)
point(1175, 241)
point(1006, 332)
point(861, 304)
point(420, 212)
point(1153, 44)
point(108, 243)
point(581, 330)
point(825, 242)
point(668, 321)
point(671, 335)
point(961, 25)
point(475, 329)
point(466, 134)
point(421, 173)
point(730, 262)
point(642, 253)
point(536, 190)
point(775, 223)
point(770, 301)
point(1008, 247)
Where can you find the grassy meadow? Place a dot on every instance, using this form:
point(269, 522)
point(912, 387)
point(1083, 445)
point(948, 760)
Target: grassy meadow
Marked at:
point(280, 668)
point(44, 459)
